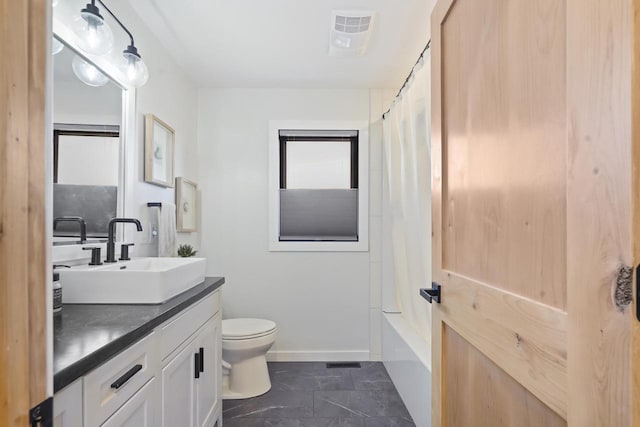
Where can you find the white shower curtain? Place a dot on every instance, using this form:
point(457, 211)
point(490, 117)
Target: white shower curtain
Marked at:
point(407, 152)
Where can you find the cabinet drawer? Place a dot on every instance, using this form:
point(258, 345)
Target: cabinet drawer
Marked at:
point(109, 386)
point(139, 411)
point(179, 329)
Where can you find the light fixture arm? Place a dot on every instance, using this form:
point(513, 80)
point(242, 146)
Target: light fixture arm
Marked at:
point(116, 19)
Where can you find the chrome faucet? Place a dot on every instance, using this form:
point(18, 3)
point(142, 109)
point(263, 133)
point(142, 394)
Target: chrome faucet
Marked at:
point(78, 219)
point(111, 244)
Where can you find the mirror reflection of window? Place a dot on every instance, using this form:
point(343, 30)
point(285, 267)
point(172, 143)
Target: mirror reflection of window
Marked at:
point(87, 159)
point(86, 171)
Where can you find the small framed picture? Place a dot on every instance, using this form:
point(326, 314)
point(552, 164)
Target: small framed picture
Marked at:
point(159, 140)
point(186, 205)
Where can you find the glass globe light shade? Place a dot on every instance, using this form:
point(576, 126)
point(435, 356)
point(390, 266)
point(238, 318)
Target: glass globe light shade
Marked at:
point(88, 73)
point(56, 46)
point(133, 67)
point(94, 36)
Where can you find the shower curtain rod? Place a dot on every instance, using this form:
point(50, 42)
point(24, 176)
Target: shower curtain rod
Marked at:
point(426, 48)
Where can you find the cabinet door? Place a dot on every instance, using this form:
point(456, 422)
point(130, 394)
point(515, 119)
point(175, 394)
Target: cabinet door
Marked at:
point(67, 406)
point(209, 345)
point(178, 388)
point(139, 411)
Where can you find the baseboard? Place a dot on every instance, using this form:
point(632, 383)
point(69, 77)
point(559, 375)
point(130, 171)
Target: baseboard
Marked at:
point(318, 356)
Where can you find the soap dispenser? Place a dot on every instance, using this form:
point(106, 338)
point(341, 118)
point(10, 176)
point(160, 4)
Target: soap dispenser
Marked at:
point(57, 289)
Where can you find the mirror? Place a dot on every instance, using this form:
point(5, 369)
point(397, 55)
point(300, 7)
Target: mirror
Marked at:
point(87, 150)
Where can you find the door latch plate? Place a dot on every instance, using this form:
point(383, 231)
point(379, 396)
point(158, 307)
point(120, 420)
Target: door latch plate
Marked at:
point(42, 415)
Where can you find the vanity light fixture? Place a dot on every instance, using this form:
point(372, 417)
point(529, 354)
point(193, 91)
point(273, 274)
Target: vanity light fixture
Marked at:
point(56, 46)
point(95, 37)
point(88, 73)
point(133, 66)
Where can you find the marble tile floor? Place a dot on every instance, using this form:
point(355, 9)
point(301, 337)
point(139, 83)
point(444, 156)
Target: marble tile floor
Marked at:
point(308, 394)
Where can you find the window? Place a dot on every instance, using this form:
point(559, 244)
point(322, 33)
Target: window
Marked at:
point(86, 176)
point(319, 199)
point(318, 185)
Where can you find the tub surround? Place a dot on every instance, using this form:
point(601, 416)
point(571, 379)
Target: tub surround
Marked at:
point(407, 358)
point(87, 335)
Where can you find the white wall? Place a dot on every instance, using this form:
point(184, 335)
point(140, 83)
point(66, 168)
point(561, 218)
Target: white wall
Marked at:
point(76, 103)
point(320, 301)
point(170, 95)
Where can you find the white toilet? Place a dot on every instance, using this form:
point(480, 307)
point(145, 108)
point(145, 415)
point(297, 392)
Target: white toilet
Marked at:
point(245, 343)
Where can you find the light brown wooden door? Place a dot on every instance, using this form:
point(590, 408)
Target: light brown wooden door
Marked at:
point(23, 271)
point(532, 213)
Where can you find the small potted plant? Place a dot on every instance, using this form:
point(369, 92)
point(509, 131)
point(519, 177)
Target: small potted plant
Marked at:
point(186, 251)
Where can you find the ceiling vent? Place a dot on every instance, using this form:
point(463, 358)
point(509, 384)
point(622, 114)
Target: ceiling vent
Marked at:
point(350, 32)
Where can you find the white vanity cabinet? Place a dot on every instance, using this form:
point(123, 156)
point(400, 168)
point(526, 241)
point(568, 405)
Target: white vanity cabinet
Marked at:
point(178, 389)
point(110, 385)
point(192, 367)
point(139, 411)
point(171, 377)
point(67, 406)
point(191, 380)
point(208, 394)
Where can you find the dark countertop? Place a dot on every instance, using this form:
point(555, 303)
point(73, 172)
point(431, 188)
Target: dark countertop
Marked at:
point(87, 335)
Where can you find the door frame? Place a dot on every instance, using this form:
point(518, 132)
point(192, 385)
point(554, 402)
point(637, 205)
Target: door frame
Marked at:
point(24, 306)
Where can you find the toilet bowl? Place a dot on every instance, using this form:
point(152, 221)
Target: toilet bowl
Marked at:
point(245, 343)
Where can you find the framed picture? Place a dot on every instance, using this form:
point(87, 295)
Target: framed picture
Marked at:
point(186, 205)
point(159, 140)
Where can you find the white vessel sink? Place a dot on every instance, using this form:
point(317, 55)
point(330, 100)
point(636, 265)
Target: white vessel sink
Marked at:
point(139, 281)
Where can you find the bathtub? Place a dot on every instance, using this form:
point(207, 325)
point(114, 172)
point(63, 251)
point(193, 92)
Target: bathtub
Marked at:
point(407, 357)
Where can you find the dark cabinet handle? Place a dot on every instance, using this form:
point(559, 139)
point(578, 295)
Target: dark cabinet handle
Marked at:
point(126, 377)
point(201, 359)
point(197, 365)
point(433, 294)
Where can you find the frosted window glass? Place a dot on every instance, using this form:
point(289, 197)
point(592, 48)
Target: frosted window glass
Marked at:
point(318, 164)
point(88, 160)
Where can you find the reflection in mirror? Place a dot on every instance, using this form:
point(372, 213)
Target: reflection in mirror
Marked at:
point(85, 189)
point(87, 170)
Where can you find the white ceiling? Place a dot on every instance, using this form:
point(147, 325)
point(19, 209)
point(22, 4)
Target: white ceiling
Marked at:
point(285, 43)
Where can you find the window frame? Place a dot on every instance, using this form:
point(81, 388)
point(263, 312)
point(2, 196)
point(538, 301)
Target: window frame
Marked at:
point(361, 183)
point(101, 131)
point(354, 159)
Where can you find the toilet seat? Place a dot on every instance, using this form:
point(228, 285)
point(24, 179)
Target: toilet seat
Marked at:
point(246, 329)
